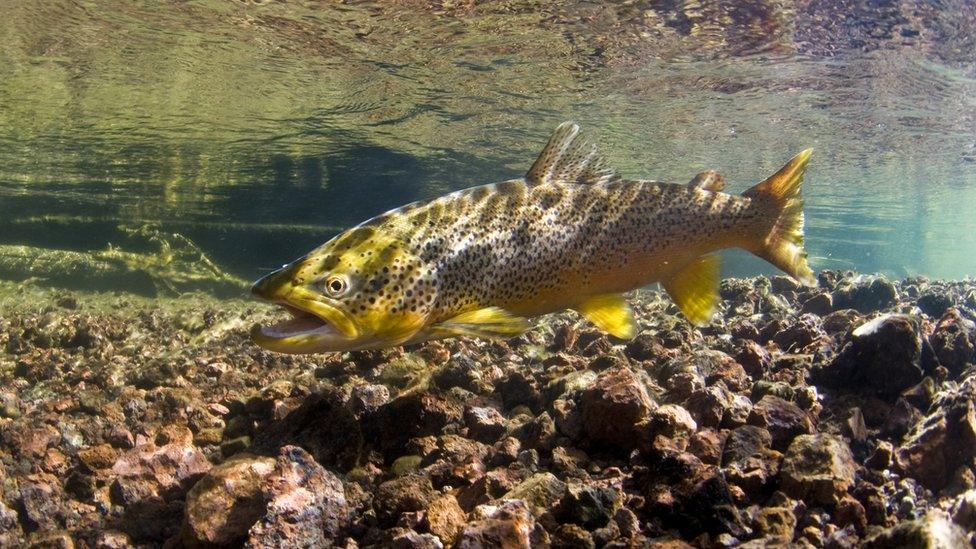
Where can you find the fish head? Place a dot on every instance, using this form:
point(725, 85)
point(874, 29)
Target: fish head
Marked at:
point(361, 290)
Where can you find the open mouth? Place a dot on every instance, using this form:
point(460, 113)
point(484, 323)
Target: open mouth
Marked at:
point(301, 323)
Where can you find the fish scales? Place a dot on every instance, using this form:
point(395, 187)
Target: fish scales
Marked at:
point(570, 234)
point(525, 252)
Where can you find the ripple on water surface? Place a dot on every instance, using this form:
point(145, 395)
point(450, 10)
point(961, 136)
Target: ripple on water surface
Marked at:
point(259, 129)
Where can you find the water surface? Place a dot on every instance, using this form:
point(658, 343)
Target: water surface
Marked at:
point(257, 130)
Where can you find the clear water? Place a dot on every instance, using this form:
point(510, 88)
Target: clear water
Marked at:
point(137, 138)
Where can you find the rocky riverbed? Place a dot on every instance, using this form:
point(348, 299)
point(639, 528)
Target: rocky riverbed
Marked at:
point(838, 416)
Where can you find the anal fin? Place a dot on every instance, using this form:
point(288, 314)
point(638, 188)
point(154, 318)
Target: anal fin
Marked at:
point(695, 288)
point(490, 322)
point(610, 313)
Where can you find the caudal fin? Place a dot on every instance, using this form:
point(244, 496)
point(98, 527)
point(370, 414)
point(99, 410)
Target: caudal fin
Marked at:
point(780, 237)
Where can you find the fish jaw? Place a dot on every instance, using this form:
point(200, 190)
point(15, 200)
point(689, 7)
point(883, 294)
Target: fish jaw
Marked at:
point(316, 326)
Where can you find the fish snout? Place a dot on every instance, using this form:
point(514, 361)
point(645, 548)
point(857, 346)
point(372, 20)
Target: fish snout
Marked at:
point(269, 286)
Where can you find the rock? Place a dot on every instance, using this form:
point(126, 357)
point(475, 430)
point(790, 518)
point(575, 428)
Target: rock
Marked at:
point(754, 358)
point(493, 485)
point(366, 399)
point(519, 389)
point(406, 464)
point(964, 511)
point(954, 342)
point(645, 347)
point(738, 412)
point(615, 409)
point(817, 468)
point(98, 457)
point(880, 459)
point(305, 504)
point(591, 506)
point(539, 433)
point(410, 539)
point(672, 421)
point(865, 294)
point(707, 445)
point(571, 536)
point(855, 427)
point(776, 522)
point(820, 304)
point(900, 418)
point(706, 505)
point(485, 424)
point(40, 502)
point(505, 524)
point(922, 395)
point(934, 303)
point(445, 518)
point(850, 512)
point(540, 492)
point(881, 358)
point(459, 371)
point(783, 284)
point(414, 415)
point(748, 461)
point(569, 385)
point(408, 493)
point(783, 419)
point(840, 322)
point(325, 427)
point(944, 440)
point(932, 531)
point(874, 502)
point(505, 451)
point(568, 418)
point(805, 332)
point(224, 504)
point(564, 338)
point(169, 468)
point(709, 405)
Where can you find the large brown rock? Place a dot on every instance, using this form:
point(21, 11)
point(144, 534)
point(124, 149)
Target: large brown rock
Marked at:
point(615, 409)
point(174, 466)
point(509, 523)
point(748, 460)
point(222, 506)
point(540, 491)
point(323, 425)
point(781, 418)
point(445, 518)
point(817, 468)
point(933, 531)
point(881, 358)
point(944, 440)
point(865, 294)
point(306, 504)
point(954, 341)
point(405, 494)
point(414, 415)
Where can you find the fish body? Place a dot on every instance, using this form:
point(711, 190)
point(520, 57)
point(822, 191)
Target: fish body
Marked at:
point(571, 234)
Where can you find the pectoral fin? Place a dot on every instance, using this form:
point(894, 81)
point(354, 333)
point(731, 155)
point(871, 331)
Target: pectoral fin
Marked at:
point(610, 313)
point(695, 288)
point(490, 322)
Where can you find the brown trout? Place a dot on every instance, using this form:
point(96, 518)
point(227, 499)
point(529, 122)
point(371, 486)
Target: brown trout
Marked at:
point(571, 234)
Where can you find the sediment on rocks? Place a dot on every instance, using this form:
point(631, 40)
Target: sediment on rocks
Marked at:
point(836, 416)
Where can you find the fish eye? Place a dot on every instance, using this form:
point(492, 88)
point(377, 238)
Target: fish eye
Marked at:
point(335, 286)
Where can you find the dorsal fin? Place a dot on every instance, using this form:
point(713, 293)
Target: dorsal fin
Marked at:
point(708, 181)
point(569, 158)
